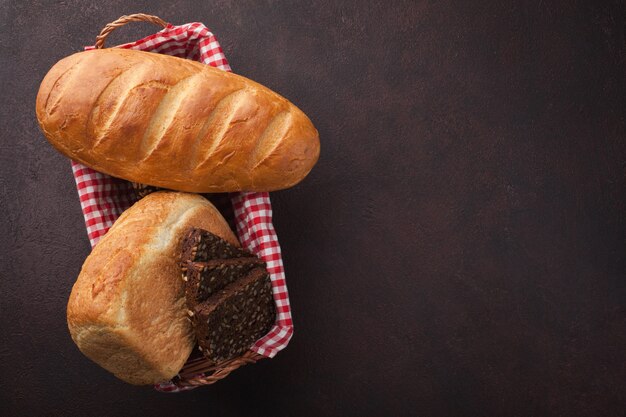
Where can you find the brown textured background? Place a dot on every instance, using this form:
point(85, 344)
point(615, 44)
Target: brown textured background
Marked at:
point(460, 248)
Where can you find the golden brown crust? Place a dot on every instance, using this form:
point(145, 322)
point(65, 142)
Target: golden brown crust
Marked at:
point(174, 123)
point(127, 309)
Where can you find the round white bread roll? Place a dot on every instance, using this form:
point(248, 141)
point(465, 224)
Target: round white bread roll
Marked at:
point(127, 309)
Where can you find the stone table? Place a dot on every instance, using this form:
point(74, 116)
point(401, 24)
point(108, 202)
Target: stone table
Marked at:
point(459, 249)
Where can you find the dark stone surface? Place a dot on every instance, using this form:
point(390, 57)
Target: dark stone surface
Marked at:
point(460, 248)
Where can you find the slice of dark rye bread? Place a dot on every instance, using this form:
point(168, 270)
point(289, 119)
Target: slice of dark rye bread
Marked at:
point(229, 295)
point(229, 322)
point(206, 278)
point(203, 246)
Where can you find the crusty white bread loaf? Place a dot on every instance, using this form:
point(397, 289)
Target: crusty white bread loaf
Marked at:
point(174, 123)
point(127, 308)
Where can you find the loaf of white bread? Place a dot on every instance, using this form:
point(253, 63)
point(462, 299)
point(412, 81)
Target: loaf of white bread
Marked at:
point(127, 308)
point(174, 123)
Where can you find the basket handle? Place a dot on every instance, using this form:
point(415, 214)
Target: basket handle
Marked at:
point(137, 17)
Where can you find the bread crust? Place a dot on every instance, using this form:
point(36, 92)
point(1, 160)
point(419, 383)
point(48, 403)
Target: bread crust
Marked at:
point(174, 123)
point(126, 310)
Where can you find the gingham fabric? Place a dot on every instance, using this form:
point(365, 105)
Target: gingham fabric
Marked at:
point(104, 198)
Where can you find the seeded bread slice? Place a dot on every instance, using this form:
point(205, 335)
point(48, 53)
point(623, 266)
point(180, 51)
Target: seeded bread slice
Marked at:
point(229, 295)
point(202, 246)
point(203, 279)
point(229, 322)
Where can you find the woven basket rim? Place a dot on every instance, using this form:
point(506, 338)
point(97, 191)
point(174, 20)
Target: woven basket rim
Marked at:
point(194, 373)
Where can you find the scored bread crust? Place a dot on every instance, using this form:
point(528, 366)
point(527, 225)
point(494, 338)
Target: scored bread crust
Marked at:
point(126, 310)
point(174, 123)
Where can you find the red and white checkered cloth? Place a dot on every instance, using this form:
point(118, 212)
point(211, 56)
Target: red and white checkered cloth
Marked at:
point(103, 198)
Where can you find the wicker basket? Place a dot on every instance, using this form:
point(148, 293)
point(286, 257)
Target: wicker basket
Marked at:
point(198, 370)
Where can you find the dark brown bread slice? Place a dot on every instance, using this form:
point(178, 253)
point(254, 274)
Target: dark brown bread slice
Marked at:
point(203, 279)
point(229, 295)
point(202, 246)
point(210, 263)
point(228, 323)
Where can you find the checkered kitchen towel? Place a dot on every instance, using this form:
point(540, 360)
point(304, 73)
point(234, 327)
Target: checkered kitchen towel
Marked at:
point(104, 198)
